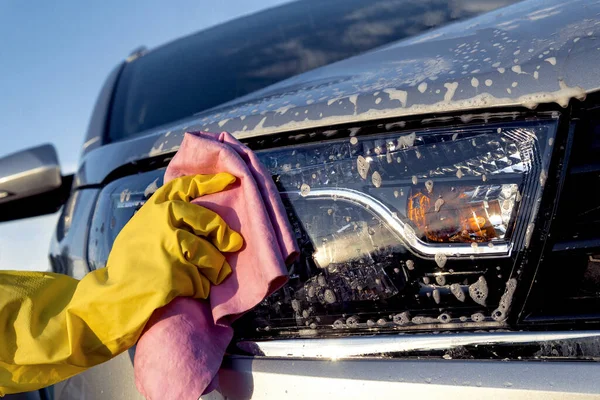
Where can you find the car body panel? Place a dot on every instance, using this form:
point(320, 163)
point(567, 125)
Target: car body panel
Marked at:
point(419, 76)
point(264, 378)
point(257, 378)
point(113, 379)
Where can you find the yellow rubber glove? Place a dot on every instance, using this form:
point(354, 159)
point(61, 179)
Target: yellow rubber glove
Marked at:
point(53, 326)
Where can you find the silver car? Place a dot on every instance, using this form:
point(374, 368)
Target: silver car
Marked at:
point(440, 167)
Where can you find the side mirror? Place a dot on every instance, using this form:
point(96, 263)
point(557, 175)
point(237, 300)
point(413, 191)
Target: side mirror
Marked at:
point(31, 183)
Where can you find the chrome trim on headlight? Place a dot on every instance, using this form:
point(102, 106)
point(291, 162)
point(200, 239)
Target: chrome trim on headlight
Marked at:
point(336, 348)
point(403, 230)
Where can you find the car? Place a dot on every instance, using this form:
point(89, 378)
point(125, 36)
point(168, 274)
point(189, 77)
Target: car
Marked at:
point(443, 189)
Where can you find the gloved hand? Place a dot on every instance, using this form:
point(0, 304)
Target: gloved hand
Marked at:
point(53, 326)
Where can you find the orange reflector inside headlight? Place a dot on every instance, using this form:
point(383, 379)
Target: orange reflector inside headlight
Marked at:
point(462, 214)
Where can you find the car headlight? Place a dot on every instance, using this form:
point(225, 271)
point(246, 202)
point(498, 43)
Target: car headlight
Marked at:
point(398, 230)
point(117, 203)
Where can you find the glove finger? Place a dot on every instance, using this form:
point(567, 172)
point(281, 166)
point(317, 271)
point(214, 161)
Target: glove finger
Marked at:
point(187, 188)
point(204, 256)
point(205, 223)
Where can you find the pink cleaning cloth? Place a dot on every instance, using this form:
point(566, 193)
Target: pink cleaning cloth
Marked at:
point(182, 347)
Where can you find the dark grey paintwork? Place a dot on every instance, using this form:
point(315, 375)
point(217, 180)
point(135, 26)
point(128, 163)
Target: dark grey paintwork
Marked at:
point(69, 244)
point(98, 121)
point(534, 52)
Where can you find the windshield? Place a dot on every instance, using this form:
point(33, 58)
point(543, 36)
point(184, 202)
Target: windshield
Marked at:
point(212, 67)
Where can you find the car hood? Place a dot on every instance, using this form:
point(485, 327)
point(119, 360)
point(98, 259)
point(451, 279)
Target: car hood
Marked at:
point(534, 52)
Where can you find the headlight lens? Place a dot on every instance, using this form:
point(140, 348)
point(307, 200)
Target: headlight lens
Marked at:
point(117, 203)
point(441, 190)
point(398, 231)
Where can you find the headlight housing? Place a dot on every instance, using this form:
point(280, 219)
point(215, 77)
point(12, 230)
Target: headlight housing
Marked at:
point(399, 230)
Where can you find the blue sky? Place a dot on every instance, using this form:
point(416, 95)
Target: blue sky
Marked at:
point(54, 58)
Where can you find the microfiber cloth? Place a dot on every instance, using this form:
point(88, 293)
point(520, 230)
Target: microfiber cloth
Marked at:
point(180, 352)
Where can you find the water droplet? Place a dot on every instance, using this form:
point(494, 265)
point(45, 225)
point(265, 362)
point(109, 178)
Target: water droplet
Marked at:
point(410, 264)
point(313, 326)
point(305, 313)
point(329, 296)
point(397, 270)
point(479, 291)
point(438, 204)
point(505, 301)
point(376, 179)
point(396, 193)
point(415, 180)
point(440, 259)
point(402, 318)
point(370, 323)
point(352, 322)
point(444, 318)
point(381, 322)
point(353, 141)
point(362, 165)
point(296, 305)
point(125, 195)
point(429, 185)
point(426, 280)
point(490, 245)
point(528, 234)
point(436, 296)
point(483, 177)
point(407, 141)
point(338, 324)
point(457, 291)
point(440, 280)
point(543, 177)
point(474, 246)
point(478, 317)
point(459, 174)
point(304, 190)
